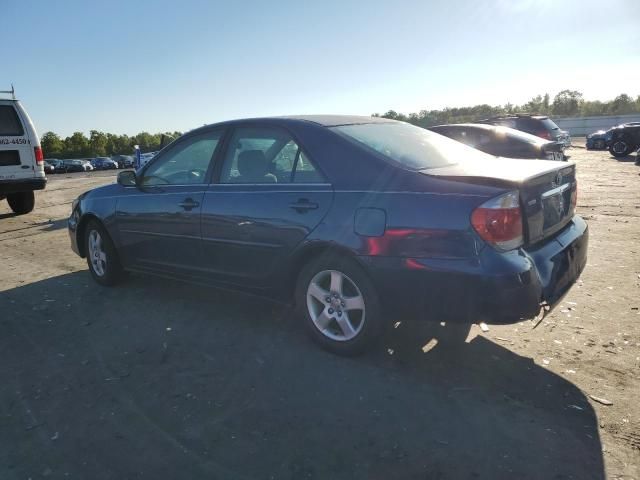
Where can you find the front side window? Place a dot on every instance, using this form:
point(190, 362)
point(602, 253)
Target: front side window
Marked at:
point(186, 163)
point(9, 122)
point(412, 147)
point(264, 156)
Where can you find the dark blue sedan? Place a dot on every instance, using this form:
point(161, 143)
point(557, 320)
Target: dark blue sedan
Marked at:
point(358, 221)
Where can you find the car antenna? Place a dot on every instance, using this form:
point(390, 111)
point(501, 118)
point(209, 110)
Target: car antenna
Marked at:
point(12, 92)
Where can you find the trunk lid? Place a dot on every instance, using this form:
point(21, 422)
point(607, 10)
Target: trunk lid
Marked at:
point(545, 188)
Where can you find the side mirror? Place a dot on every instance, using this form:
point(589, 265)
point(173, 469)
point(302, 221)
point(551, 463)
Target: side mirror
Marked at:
point(127, 178)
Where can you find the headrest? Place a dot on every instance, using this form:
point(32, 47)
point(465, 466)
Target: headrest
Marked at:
point(252, 163)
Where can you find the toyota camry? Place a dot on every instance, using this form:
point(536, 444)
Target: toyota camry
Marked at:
point(356, 221)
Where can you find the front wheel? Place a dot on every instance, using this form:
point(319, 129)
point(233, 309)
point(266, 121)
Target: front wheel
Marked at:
point(102, 257)
point(21, 202)
point(619, 148)
point(340, 305)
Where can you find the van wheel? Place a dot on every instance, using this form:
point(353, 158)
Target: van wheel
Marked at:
point(339, 305)
point(102, 256)
point(21, 202)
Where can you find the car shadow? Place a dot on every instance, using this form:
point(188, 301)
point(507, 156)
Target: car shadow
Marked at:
point(46, 226)
point(181, 381)
point(626, 159)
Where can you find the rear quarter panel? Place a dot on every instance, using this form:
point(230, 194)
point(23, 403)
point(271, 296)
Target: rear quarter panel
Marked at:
point(442, 208)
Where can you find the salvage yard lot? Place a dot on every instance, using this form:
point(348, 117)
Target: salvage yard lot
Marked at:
point(158, 379)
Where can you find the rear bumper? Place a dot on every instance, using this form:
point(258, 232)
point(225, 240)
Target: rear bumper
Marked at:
point(493, 287)
point(22, 185)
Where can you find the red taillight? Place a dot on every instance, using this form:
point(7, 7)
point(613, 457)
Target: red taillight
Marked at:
point(405, 242)
point(544, 134)
point(39, 156)
point(499, 221)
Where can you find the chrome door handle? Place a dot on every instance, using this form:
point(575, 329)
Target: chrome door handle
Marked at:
point(189, 204)
point(303, 205)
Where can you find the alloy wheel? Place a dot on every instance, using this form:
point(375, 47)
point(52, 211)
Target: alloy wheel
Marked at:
point(97, 254)
point(336, 305)
point(619, 147)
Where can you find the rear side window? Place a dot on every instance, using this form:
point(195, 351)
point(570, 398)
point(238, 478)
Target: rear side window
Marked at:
point(10, 124)
point(266, 155)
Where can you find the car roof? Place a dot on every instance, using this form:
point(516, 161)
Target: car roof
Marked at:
point(483, 126)
point(513, 133)
point(518, 115)
point(320, 120)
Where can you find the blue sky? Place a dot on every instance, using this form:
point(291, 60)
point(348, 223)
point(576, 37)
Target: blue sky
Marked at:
point(129, 66)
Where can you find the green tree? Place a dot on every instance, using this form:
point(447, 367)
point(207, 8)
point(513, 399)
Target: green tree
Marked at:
point(545, 104)
point(623, 104)
point(76, 146)
point(97, 143)
point(567, 103)
point(52, 145)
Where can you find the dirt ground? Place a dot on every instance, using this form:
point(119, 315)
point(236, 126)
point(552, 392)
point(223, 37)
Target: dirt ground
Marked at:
point(158, 379)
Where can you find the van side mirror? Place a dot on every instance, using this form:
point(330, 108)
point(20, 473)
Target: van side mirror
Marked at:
point(127, 178)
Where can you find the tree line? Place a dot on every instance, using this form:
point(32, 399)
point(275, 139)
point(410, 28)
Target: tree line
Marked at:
point(100, 144)
point(567, 103)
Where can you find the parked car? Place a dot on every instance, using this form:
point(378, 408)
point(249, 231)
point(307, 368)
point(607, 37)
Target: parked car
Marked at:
point(124, 161)
point(502, 141)
point(597, 140)
point(103, 163)
point(21, 158)
point(601, 139)
point(356, 220)
point(538, 125)
point(49, 166)
point(88, 166)
point(624, 140)
point(73, 165)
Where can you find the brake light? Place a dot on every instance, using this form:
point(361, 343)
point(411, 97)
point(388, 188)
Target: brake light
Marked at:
point(544, 134)
point(39, 156)
point(499, 221)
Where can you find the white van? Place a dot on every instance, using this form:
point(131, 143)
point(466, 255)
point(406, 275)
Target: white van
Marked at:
point(21, 159)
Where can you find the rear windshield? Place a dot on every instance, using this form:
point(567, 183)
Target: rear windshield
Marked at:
point(9, 122)
point(518, 135)
point(550, 124)
point(412, 147)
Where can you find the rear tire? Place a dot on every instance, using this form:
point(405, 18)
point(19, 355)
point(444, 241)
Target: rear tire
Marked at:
point(339, 305)
point(21, 202)
point(102, 256)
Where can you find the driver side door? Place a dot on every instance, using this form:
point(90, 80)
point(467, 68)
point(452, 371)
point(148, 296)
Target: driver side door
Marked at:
point(158, 220)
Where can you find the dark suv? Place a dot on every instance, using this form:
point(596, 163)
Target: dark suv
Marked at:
point(539, 125)
point(623, 139)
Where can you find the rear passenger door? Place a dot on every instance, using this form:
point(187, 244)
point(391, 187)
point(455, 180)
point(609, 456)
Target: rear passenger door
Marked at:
point(16, 152)
point(268, 196)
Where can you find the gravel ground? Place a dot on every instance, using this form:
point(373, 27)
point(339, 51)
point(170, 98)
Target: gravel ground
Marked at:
point(158, 379)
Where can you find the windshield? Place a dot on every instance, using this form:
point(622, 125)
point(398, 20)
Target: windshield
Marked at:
point(412, 147)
